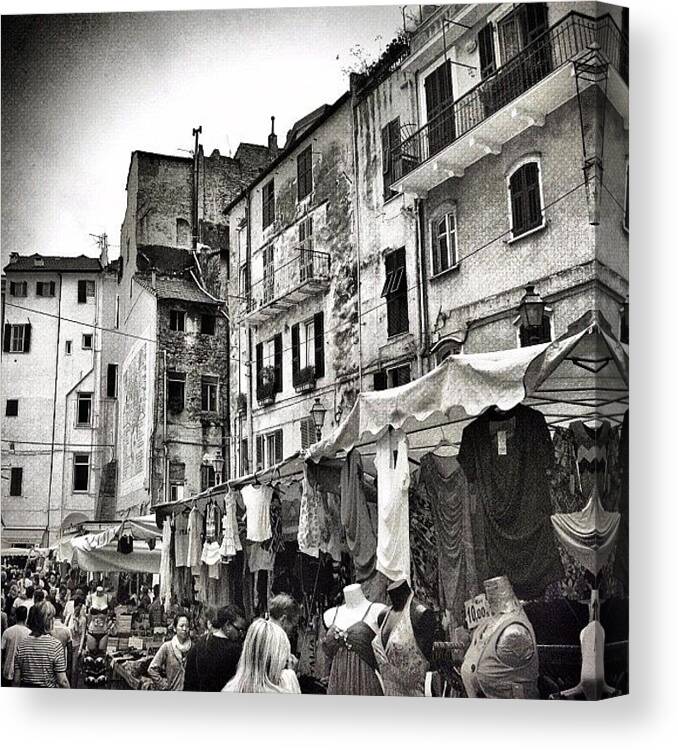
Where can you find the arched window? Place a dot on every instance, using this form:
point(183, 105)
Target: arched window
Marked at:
point(447, 348)
point(183, 233)
point(525, 198)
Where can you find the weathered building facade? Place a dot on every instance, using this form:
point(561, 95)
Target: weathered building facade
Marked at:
point(173, 420)
point(504, 141)
point(294, 299)
point(54, 396)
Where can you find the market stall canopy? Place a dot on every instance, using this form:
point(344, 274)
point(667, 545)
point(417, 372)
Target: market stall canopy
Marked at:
point(584, 373)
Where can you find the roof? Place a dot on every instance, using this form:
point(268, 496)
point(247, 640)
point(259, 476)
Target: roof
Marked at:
point(53, 264)
point(177, 288)
point(163, 258)
point(321, 114)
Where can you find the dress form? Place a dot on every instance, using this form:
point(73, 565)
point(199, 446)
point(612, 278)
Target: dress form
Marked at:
point(354, 609)
point(423, 619)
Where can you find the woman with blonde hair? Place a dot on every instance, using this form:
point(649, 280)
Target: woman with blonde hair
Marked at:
point(262, 667)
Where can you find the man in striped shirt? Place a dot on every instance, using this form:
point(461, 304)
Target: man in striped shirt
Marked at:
point(40, 660)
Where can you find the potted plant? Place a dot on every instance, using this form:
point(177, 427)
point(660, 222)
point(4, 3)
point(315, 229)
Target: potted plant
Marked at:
point(266, 385)
point(241, 403)
point(305, 379)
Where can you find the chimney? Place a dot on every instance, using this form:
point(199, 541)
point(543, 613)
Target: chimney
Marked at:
point(273, 140)
point(13, 257)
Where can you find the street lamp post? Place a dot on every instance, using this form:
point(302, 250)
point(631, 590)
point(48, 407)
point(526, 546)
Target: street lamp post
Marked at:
point(218, 463)
point(318, 412)
point(531, 310)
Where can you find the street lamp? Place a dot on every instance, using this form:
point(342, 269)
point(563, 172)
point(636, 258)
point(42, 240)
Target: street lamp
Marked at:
point(318, 412)
point(531, 308)
point(218, 464)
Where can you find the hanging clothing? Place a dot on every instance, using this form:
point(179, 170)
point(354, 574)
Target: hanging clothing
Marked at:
point(195, 526)
point(393, 529)
point(181, 539)
point(308, 536)
point(165, 563)
point(230, 542)
point(507, 458)
point(353, 664)
point(330, 525)
point(450, 501)
point(212, 522)
point(257, 500)
point(401, 663)
point(425, 576)
point(290, 512)
point(259, 558)
point(621, 553)
point(591, 447)
point(355, 518)
point(502, 660)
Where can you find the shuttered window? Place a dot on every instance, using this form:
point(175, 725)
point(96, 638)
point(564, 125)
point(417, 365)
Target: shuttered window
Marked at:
point(18, 288)
point(17, 338)
point(86, 290)
point(439, 109)
point(304, 173)
point(395, 292)
point(45, 288)
point(390, 156)
point(525, 194)
point(488, 61)
point(268, 204)
point(307, 429)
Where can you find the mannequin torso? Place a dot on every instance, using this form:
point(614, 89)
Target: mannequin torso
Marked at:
point(423, 619)
point(356, 607)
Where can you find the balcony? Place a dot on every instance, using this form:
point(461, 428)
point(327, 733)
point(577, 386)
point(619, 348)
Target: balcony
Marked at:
point(284, 286)
point(519, 94)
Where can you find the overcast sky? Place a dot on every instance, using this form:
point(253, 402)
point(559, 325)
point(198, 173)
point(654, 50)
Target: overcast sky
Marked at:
point(81, 92)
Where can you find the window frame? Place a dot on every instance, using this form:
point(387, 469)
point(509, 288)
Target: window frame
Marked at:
point(177, 321)
point(304, 173)
point(306, 355)
point(18, 285)
point(77, 456)
point(40, 289)
point(91, 341)
point(518, 165)
point(452, 258)
point(16, 475)
point(268, 204)
point(68, 347)
point(112, 392)
point(395, 369)
point(18, 336)
point(209, 393)
point(396, 296)
point(213, 319)
point(179, 377)
point(84, 397)
point(14, 412)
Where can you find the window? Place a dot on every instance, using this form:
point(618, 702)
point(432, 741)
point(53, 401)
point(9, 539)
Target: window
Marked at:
point(45, 288)
point(87, 340)
point(244, 457)
point(269, 363)
point(439, 112)
point(446, 349)
point(16, 480)
point(627, 203)
point(444, 237)
point(395, 292)
point(112, 381)
point(245, 280)
point(531, 335)
point(81, 472)
point(84, 409)
point(18, 288)
point(208, 477)
point(177, 320)
point(304, 173)
point(269, 449)
point(176, 387)
point(12, 407)
point(209, 392)
point(390, 159)
point(207, 324)
point(177, 479)
point(269, 274)
point(86, 290)
point(17, 338)
point(117, 310)
point(525, 199)
point(68, 345)
point(488, 62)
point(183, 233)
point(397, 376)
point(268, 204)
point(308, 350)
point(306, 249)
point(308, 432)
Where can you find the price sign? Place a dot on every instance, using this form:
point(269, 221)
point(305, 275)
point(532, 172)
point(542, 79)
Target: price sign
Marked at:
point(477, 611)
point(136, 642)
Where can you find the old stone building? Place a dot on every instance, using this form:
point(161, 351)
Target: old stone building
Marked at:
point(294, 301)
point(504, 144)
point(174, 361)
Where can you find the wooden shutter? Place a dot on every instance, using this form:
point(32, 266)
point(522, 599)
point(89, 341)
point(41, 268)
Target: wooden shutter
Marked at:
point(278, 440)
point(533, 197)
point(319, 331)
point(82, 291)
point(488, 62)
point(518, 201)
point(534, 17)
point(386, 149)
point(27, 337)
point(16, 477)
point(259, 357)
point(260, 452)
point(277, 358)
point(307, 428)
point(380, 382)
point(295, 353)
point(7, 338)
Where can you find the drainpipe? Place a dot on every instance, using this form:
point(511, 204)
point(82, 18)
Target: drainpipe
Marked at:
point(356, 212)
point(54, 403)
point(250, 368)
point(421, 247)
point(165, 466)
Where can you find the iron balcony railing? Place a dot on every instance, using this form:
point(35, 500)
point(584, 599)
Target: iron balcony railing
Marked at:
point(557, 46)
point(307, 268)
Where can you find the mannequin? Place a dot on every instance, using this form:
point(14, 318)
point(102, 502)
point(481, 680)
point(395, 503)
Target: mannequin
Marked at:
point(404, 642)
point(502, 660)
point(351, 628)
point(353, 610)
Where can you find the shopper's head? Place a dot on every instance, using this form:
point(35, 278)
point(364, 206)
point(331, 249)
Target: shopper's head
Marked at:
point(30, 592)
point(231, 621)
point(182, 627)
point(156, 590)
point(39, 596)
point(41, 618)
point(58, 610)
point(21, 614)
point(265, 654)
point(285, 611)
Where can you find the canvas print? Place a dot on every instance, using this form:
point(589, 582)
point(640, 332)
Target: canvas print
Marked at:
point(315, 351)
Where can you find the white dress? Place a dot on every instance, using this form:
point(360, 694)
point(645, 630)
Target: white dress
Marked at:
point(393, 527)
point(257, 501)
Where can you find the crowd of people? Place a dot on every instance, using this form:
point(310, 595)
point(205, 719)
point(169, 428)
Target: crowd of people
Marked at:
point(48, 624)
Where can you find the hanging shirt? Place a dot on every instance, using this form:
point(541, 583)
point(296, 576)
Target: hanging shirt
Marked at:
point(355, 518)
point(393, 529)
point(308, 535)
point(230, 544)
point(181, 540)
point(194, 532)
point(165, 564)
point(257, 501)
